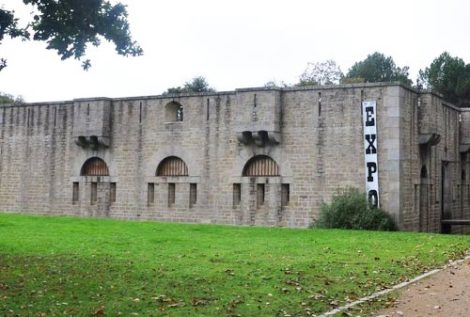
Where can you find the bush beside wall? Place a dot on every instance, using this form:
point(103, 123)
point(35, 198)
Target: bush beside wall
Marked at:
point(349, 209)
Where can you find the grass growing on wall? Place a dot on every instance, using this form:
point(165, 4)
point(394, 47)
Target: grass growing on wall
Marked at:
point(51, 266)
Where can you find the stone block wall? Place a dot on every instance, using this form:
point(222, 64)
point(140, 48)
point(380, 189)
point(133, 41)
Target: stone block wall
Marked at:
point(431, 180)
point(314, 135)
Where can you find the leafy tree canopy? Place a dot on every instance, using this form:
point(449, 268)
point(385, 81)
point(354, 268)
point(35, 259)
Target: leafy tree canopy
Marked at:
point(276, 84)
point(10, 99)
point(323, 73)
point(197, 84)
point(377, 68)
point(449, 76)
point(69, 26)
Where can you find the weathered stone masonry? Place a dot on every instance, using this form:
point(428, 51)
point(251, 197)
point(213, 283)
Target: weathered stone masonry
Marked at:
point(251, 156)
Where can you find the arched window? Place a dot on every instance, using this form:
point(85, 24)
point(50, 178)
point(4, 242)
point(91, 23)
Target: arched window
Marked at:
point(173, 112)
point(94, 167)
point(261, 165)
point(172, 166)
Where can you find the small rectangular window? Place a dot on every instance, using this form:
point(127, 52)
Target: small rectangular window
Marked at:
point(285, 194)
point(94, 193)
point(260, 195)
point(151, 193)
point(112, 192)
point(237, 194)
point(192, 195)
point(207, 110)
point(75, 192)
point(171, 194)
point(319, 103)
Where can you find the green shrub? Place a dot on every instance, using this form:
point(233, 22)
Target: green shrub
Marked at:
point(349, 209)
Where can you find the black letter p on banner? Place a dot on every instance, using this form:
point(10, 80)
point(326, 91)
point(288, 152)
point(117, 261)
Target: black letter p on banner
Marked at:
point(369, 123)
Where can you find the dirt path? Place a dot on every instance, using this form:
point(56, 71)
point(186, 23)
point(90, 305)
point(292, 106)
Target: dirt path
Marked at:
point(444, 294)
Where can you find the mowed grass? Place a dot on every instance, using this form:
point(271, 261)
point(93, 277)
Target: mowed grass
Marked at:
point(57, 266)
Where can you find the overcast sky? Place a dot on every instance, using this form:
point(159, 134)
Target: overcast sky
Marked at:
point(236, 44)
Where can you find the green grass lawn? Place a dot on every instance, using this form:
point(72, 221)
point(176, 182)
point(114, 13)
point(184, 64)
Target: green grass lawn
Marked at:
point(57, 266)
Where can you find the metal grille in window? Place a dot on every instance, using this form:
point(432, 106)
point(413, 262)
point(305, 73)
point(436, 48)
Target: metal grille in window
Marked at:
point(95, 167)
point(172, 166)
point(261, 165)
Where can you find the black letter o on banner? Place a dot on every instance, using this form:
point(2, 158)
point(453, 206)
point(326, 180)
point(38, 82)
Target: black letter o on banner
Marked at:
point(373, 197)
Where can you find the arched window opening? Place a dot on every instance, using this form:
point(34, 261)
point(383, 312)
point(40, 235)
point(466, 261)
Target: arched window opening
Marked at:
point(172, 166)
point(261, 165)
point(173, 112)
point(94, 167)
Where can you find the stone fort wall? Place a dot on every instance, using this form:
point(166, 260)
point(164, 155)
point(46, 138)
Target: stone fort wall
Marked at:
point(313, 135)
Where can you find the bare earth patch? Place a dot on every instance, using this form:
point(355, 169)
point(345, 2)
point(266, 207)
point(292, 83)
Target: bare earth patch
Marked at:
point(446, 293)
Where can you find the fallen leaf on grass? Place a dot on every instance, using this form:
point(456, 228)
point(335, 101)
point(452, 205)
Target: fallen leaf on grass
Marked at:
point(292, 283)
point(199, 301)
point(99, 312)
point(229, 272)
point(334, 303)
point(317, 296)
point(287, 270)
point(232, 305)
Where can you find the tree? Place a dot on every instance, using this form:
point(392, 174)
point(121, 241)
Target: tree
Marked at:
point(10, 99)
point(449, 76)
point(377, 68)
point(274, 84)
point(323, 73)
point(197, 84)
point(69, 26)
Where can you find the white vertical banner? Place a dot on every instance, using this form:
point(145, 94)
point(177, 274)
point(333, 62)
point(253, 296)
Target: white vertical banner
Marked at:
point(369, 120)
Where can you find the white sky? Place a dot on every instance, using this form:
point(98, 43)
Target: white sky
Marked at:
point(241, 43)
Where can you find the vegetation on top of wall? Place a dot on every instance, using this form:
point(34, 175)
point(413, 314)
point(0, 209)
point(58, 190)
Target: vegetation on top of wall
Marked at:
point(377, 67)
point(449, 76)
point(321, 73)
point(10, 99)
point(195, 85)
point(349, 209)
